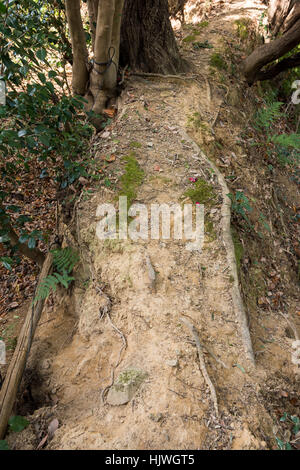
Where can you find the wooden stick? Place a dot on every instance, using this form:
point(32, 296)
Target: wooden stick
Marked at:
point(17, 364)
point(202, 363)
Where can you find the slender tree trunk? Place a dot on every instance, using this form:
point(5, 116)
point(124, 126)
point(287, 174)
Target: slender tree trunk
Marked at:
point(147, 38)
point(97, 81)
point(93, 14)
point(80, 53)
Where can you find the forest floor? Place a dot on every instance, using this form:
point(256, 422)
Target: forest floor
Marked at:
point(119, 326)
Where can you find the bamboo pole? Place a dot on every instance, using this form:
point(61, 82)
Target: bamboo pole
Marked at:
point(17, 364)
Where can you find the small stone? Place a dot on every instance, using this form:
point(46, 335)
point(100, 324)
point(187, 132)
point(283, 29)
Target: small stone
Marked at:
point(172, 363)
point(125, 387)
point(150, 144)
point(105, 135)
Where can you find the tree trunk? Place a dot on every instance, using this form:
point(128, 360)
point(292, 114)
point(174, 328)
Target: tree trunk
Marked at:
point(284, 16)
point(279, 12)
point(97, 79)
point(147, 38)
point(80, 54)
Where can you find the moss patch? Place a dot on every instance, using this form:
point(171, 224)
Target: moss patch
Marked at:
point(210, 232)
point(238, 249)
point(201, 192)
point(218, 61)
point(135, 145)
point(190, 38)
point(131, 179)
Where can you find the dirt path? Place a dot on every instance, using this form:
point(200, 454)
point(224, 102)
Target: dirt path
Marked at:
point(118, 315)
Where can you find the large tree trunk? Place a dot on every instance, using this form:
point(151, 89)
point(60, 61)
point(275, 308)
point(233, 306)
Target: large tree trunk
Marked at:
point(147, 38)
point(284, 16)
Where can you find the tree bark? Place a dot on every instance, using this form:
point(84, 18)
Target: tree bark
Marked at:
point(80, 54)
point(147, 39)
point(267, 53)
point(93, 14)
point(278, 12)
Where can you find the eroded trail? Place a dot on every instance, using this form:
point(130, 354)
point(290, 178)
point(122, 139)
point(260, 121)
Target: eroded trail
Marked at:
point(160, 399)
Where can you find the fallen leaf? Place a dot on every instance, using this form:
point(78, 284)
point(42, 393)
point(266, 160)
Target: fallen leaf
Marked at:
point(53, 426)
point(109, 113)
point(111, 159)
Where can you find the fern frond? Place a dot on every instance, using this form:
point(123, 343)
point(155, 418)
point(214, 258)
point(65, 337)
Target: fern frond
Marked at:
point(65, 259)
point(287, 140)
point(266, 116)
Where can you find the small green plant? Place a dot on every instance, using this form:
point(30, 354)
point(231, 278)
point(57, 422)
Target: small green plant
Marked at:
point(218, 61)
point(240, 205)
point(202, 45)
point(292, 422)
point(64, 260)
point(16, 424)
point(242, 27)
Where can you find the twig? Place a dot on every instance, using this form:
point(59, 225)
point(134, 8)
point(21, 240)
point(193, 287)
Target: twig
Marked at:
point(177, 393)
point(202, 363)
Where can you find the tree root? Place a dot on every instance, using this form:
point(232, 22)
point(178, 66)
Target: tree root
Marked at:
point(202, 363)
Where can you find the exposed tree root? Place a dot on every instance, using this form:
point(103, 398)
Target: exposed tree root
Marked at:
point(202, 363)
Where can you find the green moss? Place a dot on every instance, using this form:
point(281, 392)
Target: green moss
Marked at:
point(210, 231)
point(131, 179)
point(190, 38)
point(203, 24)
point(238, 249)
point(218, 61)
point(196, 121)
point(201, 192)
point(135, 145)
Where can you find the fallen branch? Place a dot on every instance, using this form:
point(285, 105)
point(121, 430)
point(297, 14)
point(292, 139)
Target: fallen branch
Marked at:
point(202, 363)
point(18, 362)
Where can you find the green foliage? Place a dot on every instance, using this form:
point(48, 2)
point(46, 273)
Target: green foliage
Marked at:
point(294, 423)
point(64, 260)
point(4, 445)
point(17, 423)
point(266, 116)
point(243, 26)
point(287, 140)
point(202, 45)
point(240, 204)
point(40, 121)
